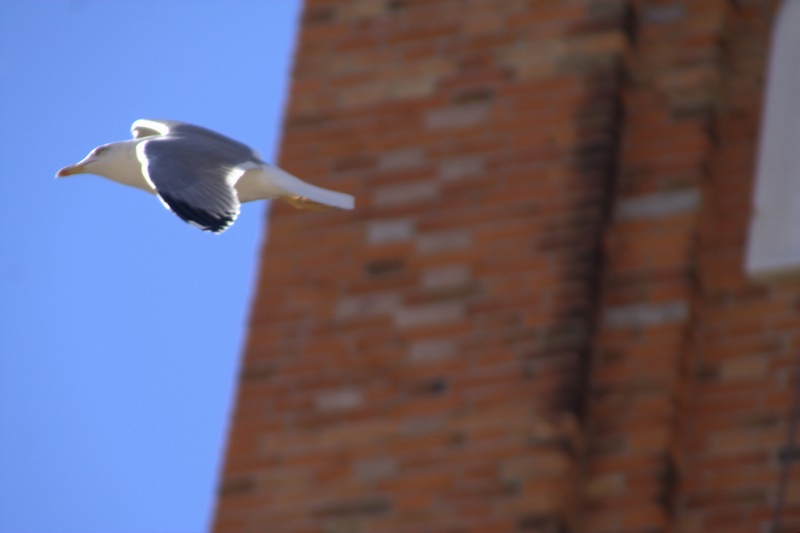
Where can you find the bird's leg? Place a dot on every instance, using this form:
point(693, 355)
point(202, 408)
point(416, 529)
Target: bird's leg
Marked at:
point(301, 202)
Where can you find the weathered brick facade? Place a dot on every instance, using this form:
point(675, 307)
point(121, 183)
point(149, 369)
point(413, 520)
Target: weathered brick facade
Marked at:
point(536, 320)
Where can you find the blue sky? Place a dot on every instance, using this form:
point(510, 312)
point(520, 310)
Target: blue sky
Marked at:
point(120, 325)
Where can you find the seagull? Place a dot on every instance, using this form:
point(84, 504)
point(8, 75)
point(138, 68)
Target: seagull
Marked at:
point(198, 174)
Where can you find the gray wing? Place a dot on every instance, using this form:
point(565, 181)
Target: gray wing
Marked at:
point(194, 179)
point(153, 127)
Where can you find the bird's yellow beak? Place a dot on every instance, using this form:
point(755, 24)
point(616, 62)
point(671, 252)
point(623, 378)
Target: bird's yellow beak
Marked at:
point(70, 170)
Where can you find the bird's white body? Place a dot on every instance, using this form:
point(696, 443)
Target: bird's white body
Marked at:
point(121, 163)
point(267, 181)
point(200, 175)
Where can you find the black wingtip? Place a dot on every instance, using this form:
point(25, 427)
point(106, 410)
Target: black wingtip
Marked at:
point(200, 218)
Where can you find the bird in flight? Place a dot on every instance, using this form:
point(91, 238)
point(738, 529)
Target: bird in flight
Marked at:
point(199, 174)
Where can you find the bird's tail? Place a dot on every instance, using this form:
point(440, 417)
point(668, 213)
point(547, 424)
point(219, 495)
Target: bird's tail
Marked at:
point(304, 195)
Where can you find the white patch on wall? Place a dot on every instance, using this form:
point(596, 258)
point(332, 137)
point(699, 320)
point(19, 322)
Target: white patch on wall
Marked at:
point(773, 248)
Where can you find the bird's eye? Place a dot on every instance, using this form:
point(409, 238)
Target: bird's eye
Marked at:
point(99, 150)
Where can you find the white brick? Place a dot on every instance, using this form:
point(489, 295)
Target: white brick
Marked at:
point(462, 167)
point(368, 93)
point(664, 14)
point(528, 65)
point(428, 314)
point(401, 159)
point(406, 193)
point(431, 350)
point(646, 314)
point(446, 276)
point(444, 241)
point(659, 204)
point(366, 306)
point(420, 425)
point(412, 79)
point(413, 87)
point(339, 400)
point(384, 231)
point(457, 116)
point(375, 468)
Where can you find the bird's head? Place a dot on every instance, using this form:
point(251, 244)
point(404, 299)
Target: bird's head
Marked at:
point(94, 163)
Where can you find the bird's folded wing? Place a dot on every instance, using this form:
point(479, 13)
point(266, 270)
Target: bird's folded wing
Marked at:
point(194, 180)
point(147, 127)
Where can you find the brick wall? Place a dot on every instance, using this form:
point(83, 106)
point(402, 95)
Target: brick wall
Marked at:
point(536, 318)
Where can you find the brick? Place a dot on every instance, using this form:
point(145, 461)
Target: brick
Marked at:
point(405, 193)
point(529, 66)
point(387, 231)
point(402, 158)
point(339, 400)
point(361, 9)
point(366, 306)
point(428, 314)
point(413, 87)
point(603, 486)
point(641, 315)
point(443, 241)
point(664, 14)
point(375, 468)
point(364, 94)
point(659, 205)
point(355, 507)
point(606, 9)
point(446, 276)
point(459, 116)
point(345, 524)
point(430, 350)
point(745, 368)
point(484, 22)
point(462, 168)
